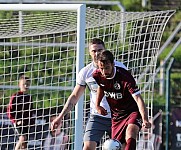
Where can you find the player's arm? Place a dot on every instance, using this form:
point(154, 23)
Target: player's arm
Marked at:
point(13, 109)
point(100, 95)
point(13, 106)
point(32, 118)
point(71, 102)
point(31, 103)
point(31, 106)
point(142, 110)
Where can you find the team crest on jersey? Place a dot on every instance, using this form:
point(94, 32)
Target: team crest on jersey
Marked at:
point(117, 86)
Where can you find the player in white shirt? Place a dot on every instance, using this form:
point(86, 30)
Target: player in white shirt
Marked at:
point(97, 124)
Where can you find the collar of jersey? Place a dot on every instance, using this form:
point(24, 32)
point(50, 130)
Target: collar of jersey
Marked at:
point(113, 74)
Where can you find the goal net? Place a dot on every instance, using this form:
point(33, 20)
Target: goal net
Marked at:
point(43, 46)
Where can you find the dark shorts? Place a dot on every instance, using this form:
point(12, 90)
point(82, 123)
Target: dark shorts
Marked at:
point(96, 127)
point(119, 127)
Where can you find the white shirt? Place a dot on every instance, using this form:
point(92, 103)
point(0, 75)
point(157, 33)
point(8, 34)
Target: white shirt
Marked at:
point(146, 144)
point(85, 78)
point(57, 142)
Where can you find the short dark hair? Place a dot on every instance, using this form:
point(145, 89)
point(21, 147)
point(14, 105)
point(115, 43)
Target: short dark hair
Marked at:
point(105, 57)
point(97, 41)
point(24, 77)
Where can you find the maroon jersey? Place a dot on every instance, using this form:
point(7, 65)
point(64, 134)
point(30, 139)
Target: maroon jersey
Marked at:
point(118, 91)
point(20, 107)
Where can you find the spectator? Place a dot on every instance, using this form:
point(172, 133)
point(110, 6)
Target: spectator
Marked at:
point(56, 139)
point(20, 110)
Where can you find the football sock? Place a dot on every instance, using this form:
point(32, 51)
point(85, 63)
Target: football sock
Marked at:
point(130, 144)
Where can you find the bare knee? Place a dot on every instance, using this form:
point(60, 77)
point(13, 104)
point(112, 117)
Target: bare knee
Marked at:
point(90, 145)
point(132, 131)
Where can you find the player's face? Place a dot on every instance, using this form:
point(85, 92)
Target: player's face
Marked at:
point(24, 85)
point(94, 49)
point(107, 69)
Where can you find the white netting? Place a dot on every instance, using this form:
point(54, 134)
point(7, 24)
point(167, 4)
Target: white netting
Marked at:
point(44, 48)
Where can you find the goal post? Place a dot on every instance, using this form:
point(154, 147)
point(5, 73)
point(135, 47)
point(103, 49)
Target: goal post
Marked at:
point(80, 46)
point(52, 46)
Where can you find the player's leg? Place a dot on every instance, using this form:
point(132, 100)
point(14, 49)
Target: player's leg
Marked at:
point(95, 129)
point(134, 126)
point(89, 145)
point(122, 131)
point(131, 135)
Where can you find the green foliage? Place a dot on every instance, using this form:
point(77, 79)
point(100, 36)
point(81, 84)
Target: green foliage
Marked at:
point(174, 91)
point(6, 15)
point(175, 76)
point(158, 100)
point(132, 5)
point(171, 25)
point(50, 99)
point(176, 55)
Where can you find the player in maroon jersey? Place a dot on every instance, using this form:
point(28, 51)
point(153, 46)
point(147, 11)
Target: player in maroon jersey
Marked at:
point(20, 110)
point(128, 110)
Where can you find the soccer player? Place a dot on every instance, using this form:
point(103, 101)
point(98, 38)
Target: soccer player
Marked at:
point(128, 110)
point(20, 110)
point(97, 124)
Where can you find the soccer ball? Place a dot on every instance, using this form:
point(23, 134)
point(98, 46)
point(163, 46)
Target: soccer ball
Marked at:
point(111, 144)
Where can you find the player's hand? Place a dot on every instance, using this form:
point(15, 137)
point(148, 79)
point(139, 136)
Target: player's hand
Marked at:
point(55, 123)
point(146, 124)
point(101, 110)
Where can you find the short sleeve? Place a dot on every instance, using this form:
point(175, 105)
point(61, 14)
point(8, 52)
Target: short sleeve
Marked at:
point(132, 87)
point(120, 64)
point(81, 77)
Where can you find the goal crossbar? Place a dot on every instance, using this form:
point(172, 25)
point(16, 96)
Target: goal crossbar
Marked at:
point(40, 7)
